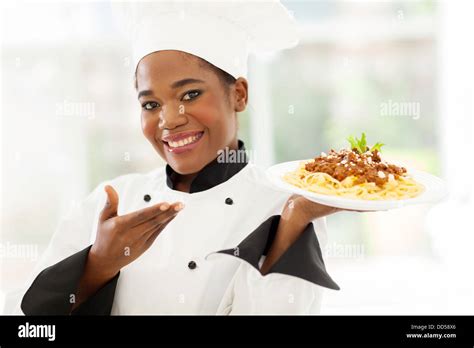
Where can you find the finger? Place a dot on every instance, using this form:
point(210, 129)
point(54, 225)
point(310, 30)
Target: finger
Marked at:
point(294, 196)
point(111, 204)
point(151, 237)
point(140, 216)
point(147, 226)
point(143, 228)
point(159, 227)
point(330, 210)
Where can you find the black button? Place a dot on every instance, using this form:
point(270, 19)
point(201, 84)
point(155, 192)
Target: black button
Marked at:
point(192, 265)
point(147, 198)
point(229, 201)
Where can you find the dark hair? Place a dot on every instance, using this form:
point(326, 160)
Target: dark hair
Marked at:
point(226, 78)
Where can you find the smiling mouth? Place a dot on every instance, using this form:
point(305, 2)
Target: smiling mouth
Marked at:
point(183, 144)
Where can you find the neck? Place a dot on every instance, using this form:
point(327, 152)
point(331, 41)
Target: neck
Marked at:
point(183, 181)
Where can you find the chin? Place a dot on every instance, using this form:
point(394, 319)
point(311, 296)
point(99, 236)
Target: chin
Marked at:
point(186, 166)
point(183, 164)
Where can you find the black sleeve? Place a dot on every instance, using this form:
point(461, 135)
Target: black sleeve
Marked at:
point(50, 293)
point(302, 259)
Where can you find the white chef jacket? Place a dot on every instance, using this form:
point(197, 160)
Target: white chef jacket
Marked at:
point(205, 261)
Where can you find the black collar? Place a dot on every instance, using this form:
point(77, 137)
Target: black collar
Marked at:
point(215, 172)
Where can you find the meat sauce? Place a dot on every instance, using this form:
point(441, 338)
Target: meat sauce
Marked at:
point(366, 167)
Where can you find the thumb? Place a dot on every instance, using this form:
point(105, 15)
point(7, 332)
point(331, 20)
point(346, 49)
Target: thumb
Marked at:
point(111, 204)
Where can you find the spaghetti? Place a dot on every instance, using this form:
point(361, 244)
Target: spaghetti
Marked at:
point(358, 173)
point(402, 188)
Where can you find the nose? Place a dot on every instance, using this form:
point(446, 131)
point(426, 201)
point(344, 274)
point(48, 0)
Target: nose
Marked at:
point(171, 116)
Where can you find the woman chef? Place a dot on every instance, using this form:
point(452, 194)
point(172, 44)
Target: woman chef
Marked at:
point(202, 235)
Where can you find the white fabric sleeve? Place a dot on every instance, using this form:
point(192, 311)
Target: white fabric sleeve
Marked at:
point(294, 285)
point(72, 234)
point(279, 294)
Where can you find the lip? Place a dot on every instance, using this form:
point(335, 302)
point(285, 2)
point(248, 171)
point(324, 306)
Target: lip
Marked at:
point(177, 137)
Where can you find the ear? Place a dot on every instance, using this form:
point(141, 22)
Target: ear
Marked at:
point(241, 94)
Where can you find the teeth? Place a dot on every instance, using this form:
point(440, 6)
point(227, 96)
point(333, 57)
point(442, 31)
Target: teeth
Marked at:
point(183, 142)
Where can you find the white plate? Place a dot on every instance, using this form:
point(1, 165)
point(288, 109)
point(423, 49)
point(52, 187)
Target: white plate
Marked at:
point(435, 190)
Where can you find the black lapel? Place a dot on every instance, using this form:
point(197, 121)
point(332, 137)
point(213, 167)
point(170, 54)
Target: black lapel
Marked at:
point(214, 173)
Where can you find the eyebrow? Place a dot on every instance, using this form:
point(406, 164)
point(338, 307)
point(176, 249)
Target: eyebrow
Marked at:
point(183, 82)
point(174, 85)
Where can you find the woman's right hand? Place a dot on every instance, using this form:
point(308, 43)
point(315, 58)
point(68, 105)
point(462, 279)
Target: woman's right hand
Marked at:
point(122, 239)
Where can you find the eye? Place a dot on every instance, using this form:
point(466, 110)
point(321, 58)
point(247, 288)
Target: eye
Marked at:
point(149, 105)
point(191, 95)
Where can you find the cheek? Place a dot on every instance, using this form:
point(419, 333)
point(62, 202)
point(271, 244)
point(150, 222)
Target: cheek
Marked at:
point(149, 126)
point(212, 113)
point(206, 115)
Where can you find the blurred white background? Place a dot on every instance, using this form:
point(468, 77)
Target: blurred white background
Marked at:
point(70, 120)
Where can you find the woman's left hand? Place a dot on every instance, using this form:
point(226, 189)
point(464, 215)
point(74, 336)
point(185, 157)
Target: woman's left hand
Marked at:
point(297, 213)
point(300, 211)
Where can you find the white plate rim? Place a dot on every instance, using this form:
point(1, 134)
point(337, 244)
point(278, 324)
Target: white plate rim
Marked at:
point(435, 190)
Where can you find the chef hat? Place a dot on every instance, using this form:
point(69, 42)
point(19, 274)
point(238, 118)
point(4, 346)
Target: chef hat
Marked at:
point(223, 32)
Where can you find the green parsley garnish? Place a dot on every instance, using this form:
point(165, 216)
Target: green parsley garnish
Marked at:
point(360, 145)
